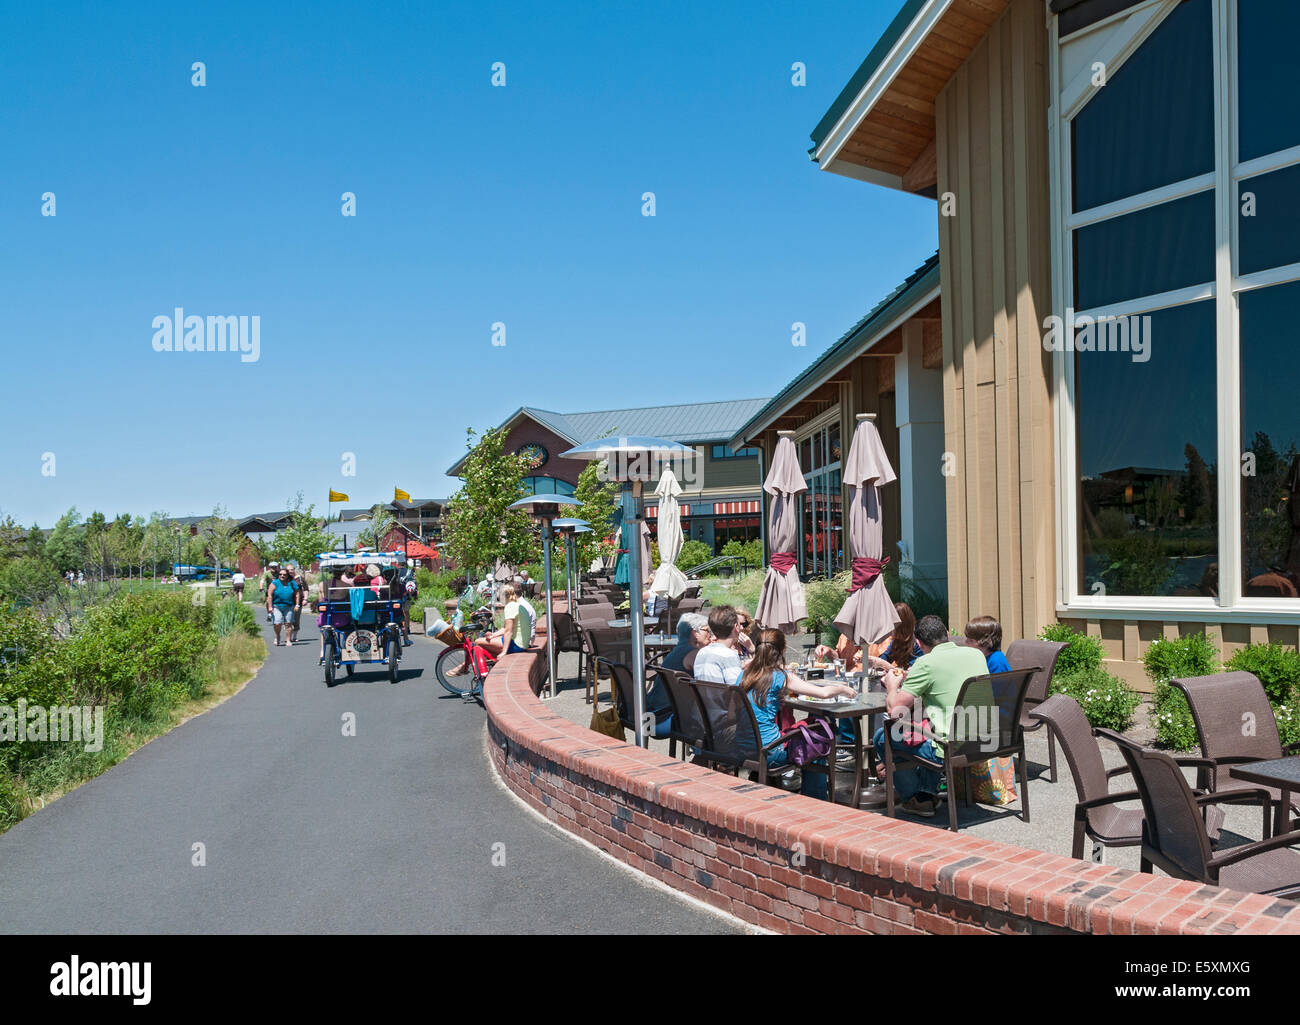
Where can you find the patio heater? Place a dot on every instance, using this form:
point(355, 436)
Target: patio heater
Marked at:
point(570, 528)
point(546, 509)
point(632, 461)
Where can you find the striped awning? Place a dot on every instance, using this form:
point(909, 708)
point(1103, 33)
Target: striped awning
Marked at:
point(735, 508)
point(652, 511)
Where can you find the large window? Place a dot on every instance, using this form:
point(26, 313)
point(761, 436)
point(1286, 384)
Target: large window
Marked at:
point(822, 509)
point(1180, 243)
point(547, 486)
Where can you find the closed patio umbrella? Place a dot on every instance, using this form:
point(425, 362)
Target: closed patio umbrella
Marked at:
point(781, 604)
point(669, 581)
point(868, 615)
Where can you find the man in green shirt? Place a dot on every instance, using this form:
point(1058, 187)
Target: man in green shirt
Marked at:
point(928, 690)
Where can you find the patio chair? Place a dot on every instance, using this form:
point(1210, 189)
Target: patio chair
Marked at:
point(622, 690)
point(690, 725)
point(1220, 705)
point(568, 637)
point(603, 645)
point(1095, 814)
point(733, 738)
point(996, 699)
point(1023, 655)
point(1174, 836)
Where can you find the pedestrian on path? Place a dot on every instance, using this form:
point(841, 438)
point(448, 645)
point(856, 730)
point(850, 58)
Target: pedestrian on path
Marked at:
point(280, 600)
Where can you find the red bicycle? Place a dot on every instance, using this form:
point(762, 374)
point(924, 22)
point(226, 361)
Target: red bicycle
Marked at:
point(462, 668)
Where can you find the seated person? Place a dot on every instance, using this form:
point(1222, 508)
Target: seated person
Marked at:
point(719, 661)
point(765, 682)
point(899, 650)
point(517, 632)
point(985, 633)
point(747, 639)
point(928, 690)
point(692, 635)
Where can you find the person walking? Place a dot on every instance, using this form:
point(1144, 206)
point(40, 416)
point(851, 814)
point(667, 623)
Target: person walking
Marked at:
point(269, 577)
point(237, 585)
point(280, 599)
point(300, 598)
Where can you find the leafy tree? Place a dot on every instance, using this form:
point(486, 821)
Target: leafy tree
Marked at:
point(381, 522)
point(29, 581)
point(66, 547)
point(479, 529)
point(599, 499)
point(303, 539)
point(221, 538)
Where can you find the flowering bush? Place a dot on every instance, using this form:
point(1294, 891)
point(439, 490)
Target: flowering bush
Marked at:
point(1107, 701)
point(1165, 660)
point(1080, 653)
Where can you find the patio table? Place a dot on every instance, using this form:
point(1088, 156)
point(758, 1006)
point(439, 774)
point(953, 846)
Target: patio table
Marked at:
point(624, 624)
point(864, 705)
point(1283, 773)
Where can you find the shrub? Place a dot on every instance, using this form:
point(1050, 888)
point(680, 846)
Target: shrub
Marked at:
point(750, 551)
point(1191, 655)
point(825, 598)
point(1107, 701)
point(1288, 722)
point(693, 554)
point(1165, 660)
point(234, 616)
point(1277, 667)
point(1081, 654)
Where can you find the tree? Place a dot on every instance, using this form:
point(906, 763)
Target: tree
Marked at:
point(65, 547)
point(381, 522)
point(479, 530)
point(303, 539)
point(221, 538)
point(599, 499)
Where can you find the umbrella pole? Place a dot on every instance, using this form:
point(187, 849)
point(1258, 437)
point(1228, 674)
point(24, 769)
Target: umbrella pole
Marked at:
point(550, 619)
point(632, 514)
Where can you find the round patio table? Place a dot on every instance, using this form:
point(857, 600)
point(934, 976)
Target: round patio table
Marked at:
point(864, 705)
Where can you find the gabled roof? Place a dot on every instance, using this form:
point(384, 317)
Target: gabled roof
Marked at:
point(695, 423)
point(918, 287)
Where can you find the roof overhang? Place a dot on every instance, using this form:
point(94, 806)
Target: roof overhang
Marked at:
point(877, 337)
point(881, 128)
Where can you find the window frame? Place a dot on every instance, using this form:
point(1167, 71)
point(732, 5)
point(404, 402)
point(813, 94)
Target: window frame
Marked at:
point(1224, 290)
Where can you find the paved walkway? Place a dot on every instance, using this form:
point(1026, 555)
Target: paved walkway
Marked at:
point(306, 830)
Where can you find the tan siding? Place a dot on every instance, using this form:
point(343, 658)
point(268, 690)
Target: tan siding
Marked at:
point(992, 145)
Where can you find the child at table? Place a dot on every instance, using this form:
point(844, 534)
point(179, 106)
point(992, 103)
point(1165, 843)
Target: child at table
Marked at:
point(765, 682)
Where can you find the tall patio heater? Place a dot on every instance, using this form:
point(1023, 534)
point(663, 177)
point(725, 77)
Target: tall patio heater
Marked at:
point(570, 528)
point(632, 461)
point(546, 509)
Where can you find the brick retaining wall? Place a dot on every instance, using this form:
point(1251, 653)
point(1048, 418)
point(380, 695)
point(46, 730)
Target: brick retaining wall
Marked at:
point(797, 865)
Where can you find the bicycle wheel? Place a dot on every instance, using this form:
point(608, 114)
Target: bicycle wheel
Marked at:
point(449, 660)
point(329, 663)
point(394, 653)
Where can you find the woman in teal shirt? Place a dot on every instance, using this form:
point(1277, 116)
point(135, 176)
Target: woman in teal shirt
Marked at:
point(281, 597)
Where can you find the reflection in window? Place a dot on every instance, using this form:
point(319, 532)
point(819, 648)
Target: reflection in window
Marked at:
point(1270, 220)
point(1152, 124)
point(1268, 109)
point(1270, 435)
point(1159, 249)
point(822, 551)
point(1147, 438)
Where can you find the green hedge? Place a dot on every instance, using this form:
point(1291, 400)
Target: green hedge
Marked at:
point(1107, 701)
point(1080, 654)
point(1165, 660)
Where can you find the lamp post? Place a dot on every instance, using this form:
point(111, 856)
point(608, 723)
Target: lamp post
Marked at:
point(569, 528)
point(546, 509)
point(633, 461)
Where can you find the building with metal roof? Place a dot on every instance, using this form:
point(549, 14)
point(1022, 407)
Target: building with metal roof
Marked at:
point(721, 485)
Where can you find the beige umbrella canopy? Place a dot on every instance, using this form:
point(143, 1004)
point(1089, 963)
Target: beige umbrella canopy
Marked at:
point(781, 604)
point(669, 581)
point(869, 614)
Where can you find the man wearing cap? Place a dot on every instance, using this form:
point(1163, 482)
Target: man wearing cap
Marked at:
point(269, 577)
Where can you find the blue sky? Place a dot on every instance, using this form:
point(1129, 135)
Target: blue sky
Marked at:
point(475, 205)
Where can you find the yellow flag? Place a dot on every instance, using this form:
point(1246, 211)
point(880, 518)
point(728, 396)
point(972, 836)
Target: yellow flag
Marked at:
point(400, 496)
point(338, 496)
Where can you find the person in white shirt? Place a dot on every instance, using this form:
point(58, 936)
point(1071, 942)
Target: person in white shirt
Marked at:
point(719, 662)
point(237, 585)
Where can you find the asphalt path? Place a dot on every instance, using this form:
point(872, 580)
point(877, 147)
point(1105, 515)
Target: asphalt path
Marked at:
point(306, 830)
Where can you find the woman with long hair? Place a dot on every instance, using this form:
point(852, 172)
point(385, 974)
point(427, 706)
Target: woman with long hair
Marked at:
point(902, 649)
point(765, 682)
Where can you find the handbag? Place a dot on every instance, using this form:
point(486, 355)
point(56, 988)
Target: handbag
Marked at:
point(607, 722)
point(914, 736)
point(810, 740)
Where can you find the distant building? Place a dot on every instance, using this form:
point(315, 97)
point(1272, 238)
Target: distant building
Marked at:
point(720, 499)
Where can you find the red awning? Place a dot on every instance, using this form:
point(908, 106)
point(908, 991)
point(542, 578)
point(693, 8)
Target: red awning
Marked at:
point(419, 550)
